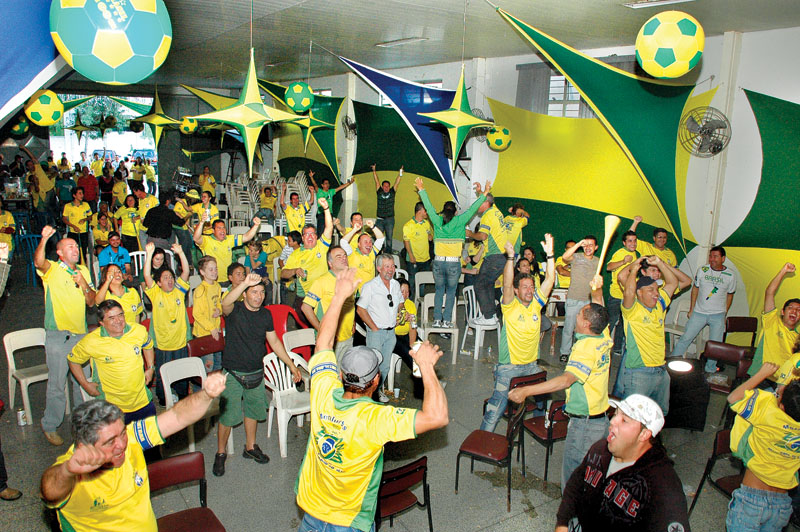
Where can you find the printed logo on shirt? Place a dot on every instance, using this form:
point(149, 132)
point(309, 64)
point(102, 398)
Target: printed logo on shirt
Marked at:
point(330, 447)
point(138, 480)
point(675, 527)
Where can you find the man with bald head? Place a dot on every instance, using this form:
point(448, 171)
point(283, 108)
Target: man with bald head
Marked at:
point(68, 290)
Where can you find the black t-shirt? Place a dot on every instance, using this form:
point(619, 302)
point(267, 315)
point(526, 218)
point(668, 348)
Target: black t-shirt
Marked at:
point(159, 221)
point(246, 338)
point(385, 203)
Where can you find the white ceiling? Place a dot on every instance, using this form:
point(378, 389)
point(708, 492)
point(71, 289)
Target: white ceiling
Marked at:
point(212, 37)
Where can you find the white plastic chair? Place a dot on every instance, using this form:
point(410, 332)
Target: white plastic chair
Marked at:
point(422, 278)
point(472, 313)
point(188, 368)
point(399, 272)
point(427, 303)
point(194, 281)
point(285, 398)
point(239, 230)
point(673, 327)
point(137, 260)
point(15, 341)
point(394, 364)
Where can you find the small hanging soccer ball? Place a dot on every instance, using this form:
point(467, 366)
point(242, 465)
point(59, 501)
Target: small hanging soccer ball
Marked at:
point(188, 125)
point(21, 128)
point(44, 108)
point(499, 138)
point(110, 122)
point(670, 44)
point(299, 97)
point(136, 127)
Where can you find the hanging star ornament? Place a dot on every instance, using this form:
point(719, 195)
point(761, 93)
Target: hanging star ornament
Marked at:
point(156, 119)
point(308, 124)
point(458, 119)
point(78, 127)
point(248, 114)
point(101, 126)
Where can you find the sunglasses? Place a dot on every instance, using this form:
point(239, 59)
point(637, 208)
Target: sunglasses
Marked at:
point(391, 301)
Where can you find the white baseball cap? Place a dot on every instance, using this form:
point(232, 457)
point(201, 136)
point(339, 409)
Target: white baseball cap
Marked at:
point(642, 409)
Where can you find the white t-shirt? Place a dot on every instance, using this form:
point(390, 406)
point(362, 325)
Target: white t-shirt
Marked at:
point(714, 287)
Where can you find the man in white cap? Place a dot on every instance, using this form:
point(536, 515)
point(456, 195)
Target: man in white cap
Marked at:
point(626, 482)
point(344, 456)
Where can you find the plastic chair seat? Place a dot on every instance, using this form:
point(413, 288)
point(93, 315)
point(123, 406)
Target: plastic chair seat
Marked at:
point(188, 520)
point(32, 373)
point(481, 443)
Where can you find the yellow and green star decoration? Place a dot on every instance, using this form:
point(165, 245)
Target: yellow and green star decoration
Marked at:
point(308, 124)
point(78, 126)
point(458, 119)
point(156, 119)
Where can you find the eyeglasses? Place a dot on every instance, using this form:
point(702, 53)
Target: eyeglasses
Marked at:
point(391, 302)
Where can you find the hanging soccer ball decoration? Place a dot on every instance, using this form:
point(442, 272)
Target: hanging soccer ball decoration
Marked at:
point(499, 138)
point(21, 128)
point(188, 125)
point(670, 44)
point(112, 41)
point(110, 122)
point(136, 127)
point(44, 108)
point(299, 97)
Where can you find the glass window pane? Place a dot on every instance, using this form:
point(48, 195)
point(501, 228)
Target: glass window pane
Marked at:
point(555, 109)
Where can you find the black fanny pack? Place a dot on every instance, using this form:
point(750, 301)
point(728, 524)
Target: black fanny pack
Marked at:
point(248, 380)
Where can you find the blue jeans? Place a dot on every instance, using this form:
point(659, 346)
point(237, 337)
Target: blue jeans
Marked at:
point(753, 510)
point(162, 357)
point(573, 307)
point(615, 323)
point(581, 434)
point(312, 524)
point(387, 226)
point(268, 216)
point(716, 329)
point(503, 373)
point(383, 341)
point(445, 277)
point(652, 382)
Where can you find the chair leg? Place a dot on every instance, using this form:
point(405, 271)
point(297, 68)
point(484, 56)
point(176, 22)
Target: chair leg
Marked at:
point(26, 403)
point(508, 492)
point(709, 467)
point(269, 419)
point(464, 339)
point(427, 495)
point(12, 389)
point(190, 437)
point(283, 428)
point(458, 463)
point(478, 342)
point(546, 461)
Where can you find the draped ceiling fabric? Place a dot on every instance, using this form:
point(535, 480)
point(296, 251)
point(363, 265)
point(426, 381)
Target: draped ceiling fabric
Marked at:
point(643, 115)
point(409, 99)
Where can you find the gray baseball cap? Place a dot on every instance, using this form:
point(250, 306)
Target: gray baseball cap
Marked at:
point(360, 364)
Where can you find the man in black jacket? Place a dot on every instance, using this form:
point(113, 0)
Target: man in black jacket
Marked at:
point(159, 221)
point(626, 482)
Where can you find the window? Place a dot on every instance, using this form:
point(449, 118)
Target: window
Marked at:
point(563, 98)
point(323, 92)
point(434, 84)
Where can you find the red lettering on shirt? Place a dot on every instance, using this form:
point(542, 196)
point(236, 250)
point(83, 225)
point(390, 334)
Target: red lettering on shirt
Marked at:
point(610, 488)
point(621, 497)
point(633, 508)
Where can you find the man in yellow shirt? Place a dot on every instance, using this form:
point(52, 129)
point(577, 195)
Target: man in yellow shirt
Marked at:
point(45, 181)
point(207, 182)
point(658, 247)
point(296, 212)
point(146, 202)
point(220, 244)
point(778, 332)
point(8, 226)
point(417, 236)
point(518, 338)
point(621, 258)
point(516, 221)
point(97, 165)
point(348, 430)
point(150, 174)
point(101, 482)
point(644, 308)
point(68, 290)
point(363, 257)
point(493, 231)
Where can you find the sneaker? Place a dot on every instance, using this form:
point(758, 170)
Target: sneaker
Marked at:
point(564, 358)
point(256, 454)
point(53, 438)
point(219, 464)
point(480, 320)
point(436, 323)
point(382, 397)
point(447, 324)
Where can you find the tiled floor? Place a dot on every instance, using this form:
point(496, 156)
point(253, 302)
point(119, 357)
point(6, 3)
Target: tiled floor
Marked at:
point(260, 497)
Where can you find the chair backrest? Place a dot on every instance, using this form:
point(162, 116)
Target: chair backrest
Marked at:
point(280, 318)
point(556, 412)
point(16, 340)
point(722, 444)
point(176, 370)
point(299, 338)
point(421, 278)
point(428, 302)
point(28, 244)
point(178, 470)
point(744, 324)
point(137, 261)
point(238, 230)
point(277, 374)
point(527, 380)
point(728, 354)
point(399, 272)
point(471, 302)
point(205, 345)
point(514, 426)
point(681, 307)
point(403, 478)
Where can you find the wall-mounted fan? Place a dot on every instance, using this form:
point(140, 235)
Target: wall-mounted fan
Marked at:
point(704, 131)
point(350, 127)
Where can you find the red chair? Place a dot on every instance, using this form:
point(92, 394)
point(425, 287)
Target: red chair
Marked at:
point(516, 382)
point(745, 324)
point(395, 495)
point(280, 319)
point(546, 430)
point(737, 356)
point(205, 345)
point(180, 470)
point(725, 485)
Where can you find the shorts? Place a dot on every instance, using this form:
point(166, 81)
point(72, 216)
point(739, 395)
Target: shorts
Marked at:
point(231, 407)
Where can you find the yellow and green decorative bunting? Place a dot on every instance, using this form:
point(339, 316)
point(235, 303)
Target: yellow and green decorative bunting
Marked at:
point(458, 119)
point(248, 114)
point(78, 127)
point(72, 104)
point(155, 118)
point(217, 101)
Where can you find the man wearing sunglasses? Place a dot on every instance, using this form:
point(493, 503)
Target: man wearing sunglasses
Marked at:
point(377, 307)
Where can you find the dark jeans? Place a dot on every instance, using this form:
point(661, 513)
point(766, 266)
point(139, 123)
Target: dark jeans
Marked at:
point(185, 240)
point(387, 226)
point(490, 270)
point(131, 243)
point(412, 269)
point(3, 473)
point(402, 347)
point(162, 357)
point(615, 323)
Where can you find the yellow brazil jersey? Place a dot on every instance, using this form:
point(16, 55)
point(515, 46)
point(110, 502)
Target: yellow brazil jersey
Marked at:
point(273, 247)
point(131, 304)
point(126, 215)
point(774, 344)
point(493, 224)
point(208, 184)
point(341, 471)
point(150, 172)
point(118, 498)
point(213, 213)
point(319, 298)
point(766, 439)
point(267, 201)
point(46, 183)
point(515, 225)
point(169, 326)
point(314, 261)
point(405, 314)
point(616, 290)
point(101, 234)
point(589, 361)
point(64, 301)
point(222, 250)
point(296, 218)
point(118, 364)
point(789, 371)
point(418, 234)
point(207, 299)
point(97, 167)
point(120, 191)
point(77, 214)
point(644, 332)
point(145, 205)
point(6, 221)
point(137, 172)
point(365, 264)
point(473, 248)
point(181, 211)
point(519, 333)
point(563, 280)
point(666, 254)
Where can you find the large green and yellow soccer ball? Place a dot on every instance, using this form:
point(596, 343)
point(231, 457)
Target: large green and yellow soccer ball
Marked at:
point(44, 108)
point(188, 125)
point(112, 41)
point(21, 128)
point(499, 138)
point(299, 97)
point(670, 44)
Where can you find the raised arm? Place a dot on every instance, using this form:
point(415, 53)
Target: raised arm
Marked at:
point(327, 234)
point(235, 293)
point(344, 185)
point(636, 221)
point(375, 177)
point(569, 254)
point(39, 260)
point(596, 284)
point(629, 289)
point(253, 231)
point(434, 413)
point(508, 274)
point(550, 274)
point(399, 177)
point(198, 229)
point(313, 183)
point(767, 369)
point(772, 287)
point(346, 284)
point(670, 281)
point(149, 248)
point(683, 279)
point(282, 198)
point(178, 250)
point(192, 407)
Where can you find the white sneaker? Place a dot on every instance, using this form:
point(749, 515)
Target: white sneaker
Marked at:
point(436, 323)
point(382, 397)
point(480, 320)
point(447, 324)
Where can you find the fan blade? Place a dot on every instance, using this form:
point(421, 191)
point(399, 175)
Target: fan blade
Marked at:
point(705, 145)
point(692, 125)
point(716, 124)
